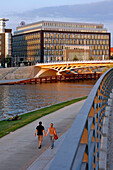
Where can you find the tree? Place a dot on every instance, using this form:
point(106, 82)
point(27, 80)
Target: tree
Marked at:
point(91, 58)
point(8, 60)
point(75, 58)
point(111, 57)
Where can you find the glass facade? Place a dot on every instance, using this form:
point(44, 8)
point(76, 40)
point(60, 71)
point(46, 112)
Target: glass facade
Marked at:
point(49, 44)
point(54, 44)
point(27, 47)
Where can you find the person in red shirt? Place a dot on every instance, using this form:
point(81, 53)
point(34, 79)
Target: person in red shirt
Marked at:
point(39, 131)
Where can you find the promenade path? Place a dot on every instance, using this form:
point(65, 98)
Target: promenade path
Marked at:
point(110, 141)
point(19, 149)
point(3, 82)
point(43, 162)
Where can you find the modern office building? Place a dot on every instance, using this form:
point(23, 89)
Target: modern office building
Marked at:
point(5, 42)
point(50, 41)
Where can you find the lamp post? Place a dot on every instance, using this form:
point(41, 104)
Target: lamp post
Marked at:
point(85, 49)
point(15, 60)
point(18, 60)
point(48, 56)
point(11, 61)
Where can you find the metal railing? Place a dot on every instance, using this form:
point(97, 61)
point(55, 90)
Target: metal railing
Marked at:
point(72, 62)
point(81, 146)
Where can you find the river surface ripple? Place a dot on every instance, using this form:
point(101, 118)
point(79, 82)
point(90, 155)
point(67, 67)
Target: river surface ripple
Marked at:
point(18, 99)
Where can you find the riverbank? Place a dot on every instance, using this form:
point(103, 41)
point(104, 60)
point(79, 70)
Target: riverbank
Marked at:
point(19, 149)
point(9, 126)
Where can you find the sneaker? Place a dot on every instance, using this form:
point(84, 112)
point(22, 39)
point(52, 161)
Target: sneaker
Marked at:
point(39, 147)
point(52, 146)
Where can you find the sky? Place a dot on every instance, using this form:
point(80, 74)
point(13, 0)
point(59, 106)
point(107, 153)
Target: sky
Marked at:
point(23, 5)
point(32, 11)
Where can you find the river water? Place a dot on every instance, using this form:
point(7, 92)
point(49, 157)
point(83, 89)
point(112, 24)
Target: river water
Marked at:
point(17, 99)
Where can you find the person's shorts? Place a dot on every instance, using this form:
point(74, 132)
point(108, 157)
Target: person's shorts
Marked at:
point(40, 137)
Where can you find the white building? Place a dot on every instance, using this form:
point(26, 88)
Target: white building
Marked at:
point(5, 41)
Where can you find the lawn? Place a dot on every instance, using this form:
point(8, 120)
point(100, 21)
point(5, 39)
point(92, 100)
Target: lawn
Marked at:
point(10, 126)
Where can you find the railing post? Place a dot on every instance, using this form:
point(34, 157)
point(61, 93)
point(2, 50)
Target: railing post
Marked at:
point(45, 79)
point(60, 77)
point(78, 77)
point(56, 78)
point(94, 75)
point(35, 80)
point(82, 76)
point(86, 76)
point(90, 76)
point(74, 77)
point(98, 76)
point(84, 140)
point(50, 79)
point(40, 79)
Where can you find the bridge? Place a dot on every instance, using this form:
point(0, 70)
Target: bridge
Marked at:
point(53, 72)
point(63, 68)
point(83, 147)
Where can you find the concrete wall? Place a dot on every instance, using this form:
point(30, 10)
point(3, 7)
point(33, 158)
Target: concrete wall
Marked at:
point(5, 71)
point(17, 73)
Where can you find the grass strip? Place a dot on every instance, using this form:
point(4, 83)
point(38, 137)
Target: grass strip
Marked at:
point(9, 126)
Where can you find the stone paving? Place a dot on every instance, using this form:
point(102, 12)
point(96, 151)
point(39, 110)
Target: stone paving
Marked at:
point(19, 149)
point(43, 162)
point(106, 150)
point(110, 141)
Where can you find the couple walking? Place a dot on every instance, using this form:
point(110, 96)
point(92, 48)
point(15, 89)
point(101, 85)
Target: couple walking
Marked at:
point(40, 130)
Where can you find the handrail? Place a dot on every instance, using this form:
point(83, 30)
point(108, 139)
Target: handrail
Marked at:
point(74, 62)
point(81, 146)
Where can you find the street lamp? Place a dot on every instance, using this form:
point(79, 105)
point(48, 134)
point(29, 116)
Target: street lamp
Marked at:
point(15, 61)
point(84, 48)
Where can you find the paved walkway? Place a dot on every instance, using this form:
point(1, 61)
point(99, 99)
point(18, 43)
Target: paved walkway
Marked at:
point(110, 141)
point(19, 150)
point(3, 82)
point(43, 162)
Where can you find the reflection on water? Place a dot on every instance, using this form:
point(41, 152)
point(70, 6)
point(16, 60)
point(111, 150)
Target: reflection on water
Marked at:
point(17, 99)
